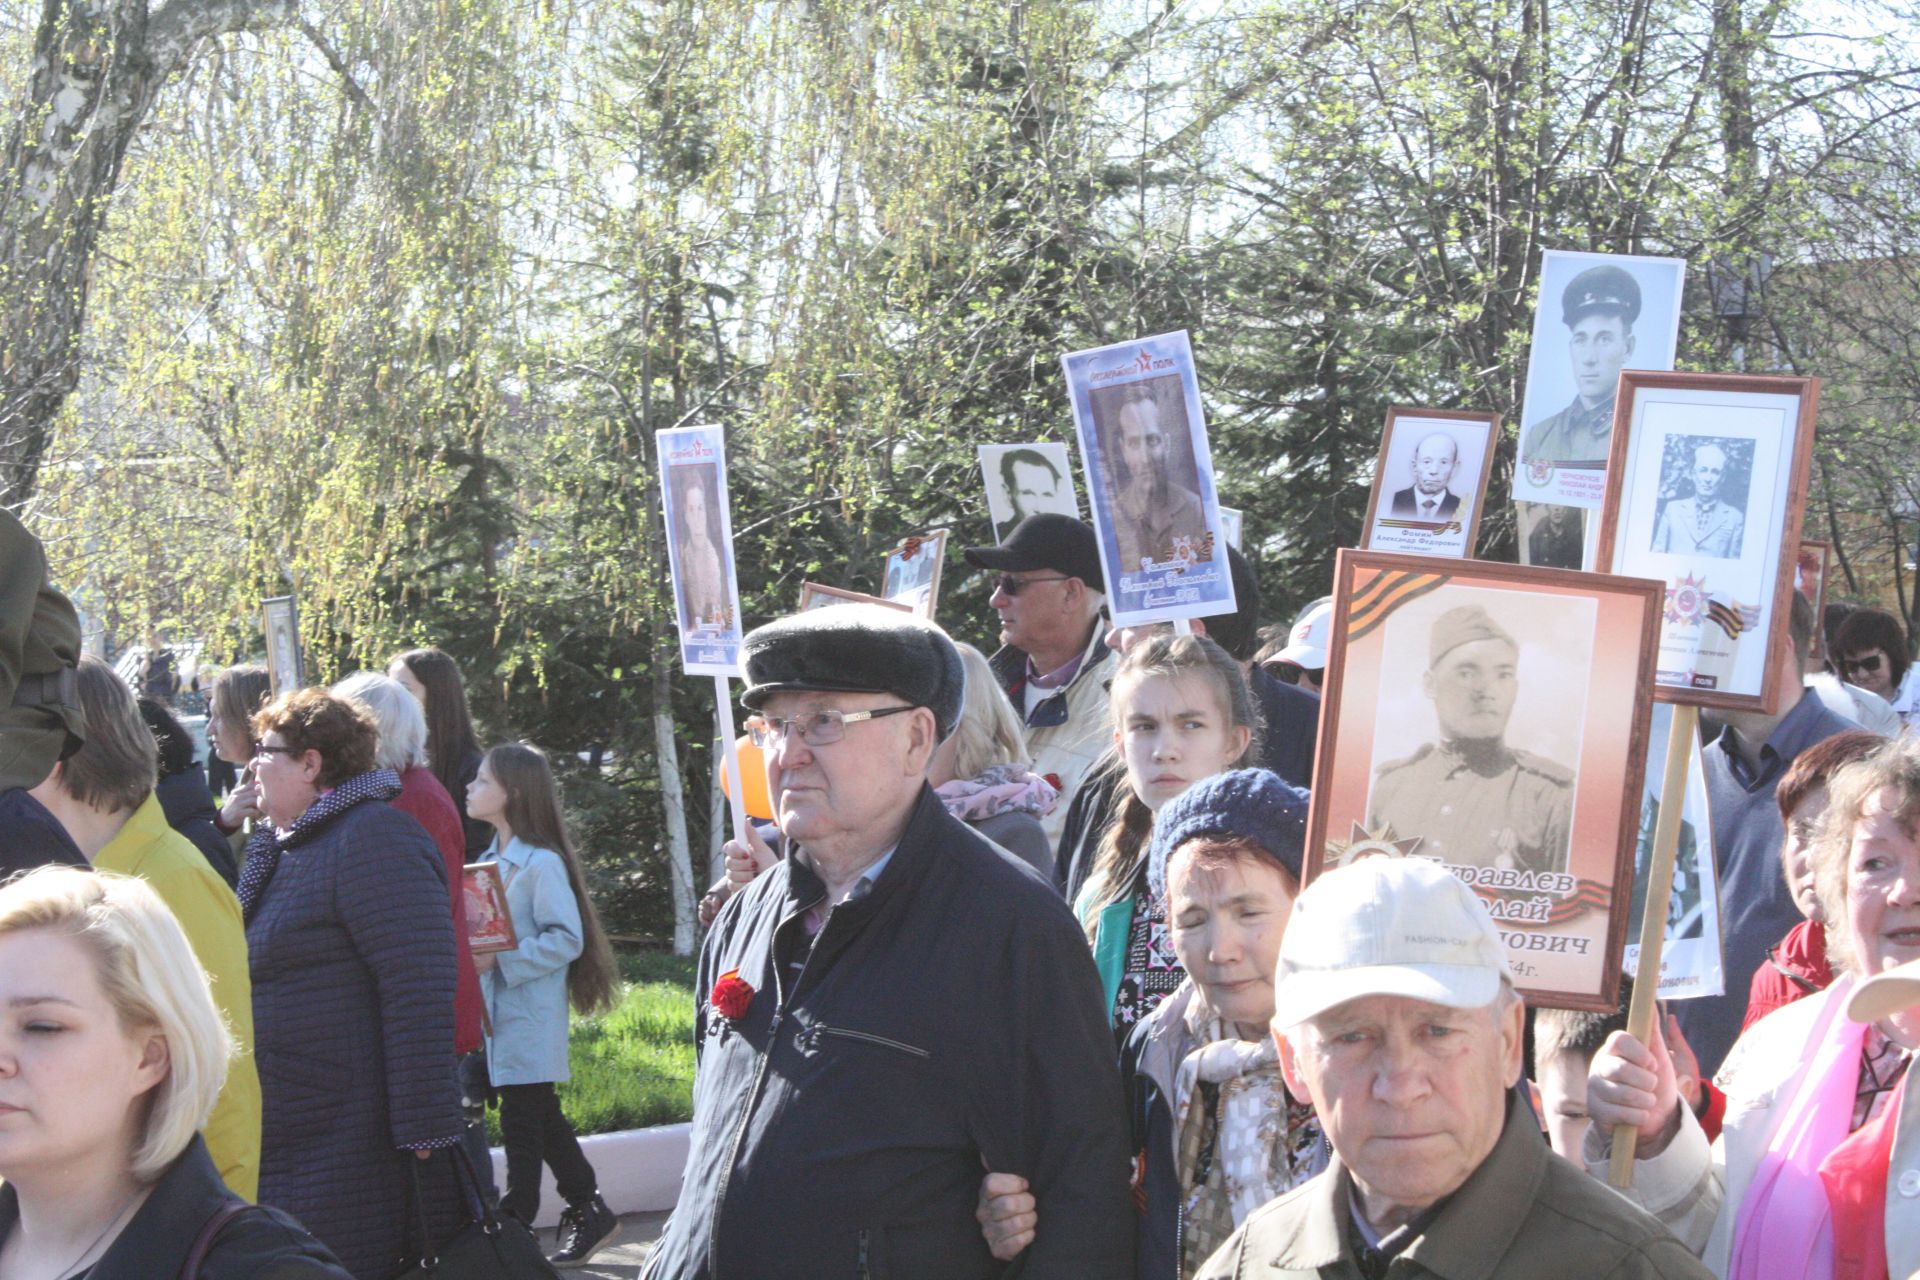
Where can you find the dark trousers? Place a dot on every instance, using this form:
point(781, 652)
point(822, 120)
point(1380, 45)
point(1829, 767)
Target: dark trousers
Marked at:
point(534, 1131)
point(470, 1072)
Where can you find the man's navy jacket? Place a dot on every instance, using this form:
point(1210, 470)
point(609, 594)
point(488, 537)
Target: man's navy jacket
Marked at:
point(947, 1022)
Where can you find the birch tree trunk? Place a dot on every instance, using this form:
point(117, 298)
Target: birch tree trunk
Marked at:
point(97, 67)
point(666, 750)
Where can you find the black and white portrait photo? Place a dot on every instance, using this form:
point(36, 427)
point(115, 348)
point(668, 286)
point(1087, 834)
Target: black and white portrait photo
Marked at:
point(1552, 535)
point(1704, 480)
point(1597, 314)
point(706, 597)
point(912, 573)
point(1429, 481)
point(1026, 480)
point(1478, 752)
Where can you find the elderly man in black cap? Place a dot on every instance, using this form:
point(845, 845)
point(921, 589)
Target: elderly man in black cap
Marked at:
point(1052, 663)
point(895, 1006)
point(1599, 307)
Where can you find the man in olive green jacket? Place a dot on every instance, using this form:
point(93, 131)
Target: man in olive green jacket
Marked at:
point(1397, 1015)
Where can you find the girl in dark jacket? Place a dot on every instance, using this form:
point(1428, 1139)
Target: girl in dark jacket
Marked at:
point(350, 943)
point(111, 1054)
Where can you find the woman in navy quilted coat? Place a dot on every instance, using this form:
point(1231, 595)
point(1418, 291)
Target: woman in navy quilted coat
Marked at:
point(352, 955)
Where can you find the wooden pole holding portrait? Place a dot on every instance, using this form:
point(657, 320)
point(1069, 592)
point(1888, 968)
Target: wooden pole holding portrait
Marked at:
point(706, 591)
point(1708, 482)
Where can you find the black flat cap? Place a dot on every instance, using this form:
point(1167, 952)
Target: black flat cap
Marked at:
point(1046, 541)
point(1601, 289)
point(856, 648)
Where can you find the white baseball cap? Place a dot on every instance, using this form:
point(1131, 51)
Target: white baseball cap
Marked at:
point(1886, 994)
point(1387, 926)
point(1307, 642)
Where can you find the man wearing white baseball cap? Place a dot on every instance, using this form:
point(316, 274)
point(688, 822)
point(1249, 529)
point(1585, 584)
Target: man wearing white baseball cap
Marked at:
point(1396, 1014)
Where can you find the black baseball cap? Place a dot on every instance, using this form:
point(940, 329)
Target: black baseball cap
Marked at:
point(1046, 541)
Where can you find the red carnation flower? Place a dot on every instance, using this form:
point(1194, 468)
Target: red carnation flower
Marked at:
point(732, 996)
point(1053, 780)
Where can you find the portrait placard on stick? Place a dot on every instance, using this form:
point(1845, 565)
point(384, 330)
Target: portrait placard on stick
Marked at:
point(1024, 480)
point(1810, 580)
point(1598, 314)
point(1709, 481)
point(1482, 715)
point(1231, 521)
point(693, 493)
point(1143, 443)
point(818, 595)
point(1430, 482)
point(281, 622)
point(912, 573)
point(1690, 958)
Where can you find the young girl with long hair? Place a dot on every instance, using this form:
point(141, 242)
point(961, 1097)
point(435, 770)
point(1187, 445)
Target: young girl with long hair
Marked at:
point(562, 954)
point(1181, 712)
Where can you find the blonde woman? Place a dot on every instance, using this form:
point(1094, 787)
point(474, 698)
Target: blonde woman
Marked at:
point(983, 775)
point(111, 1054)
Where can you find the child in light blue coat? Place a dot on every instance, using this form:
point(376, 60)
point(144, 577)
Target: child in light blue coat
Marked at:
point(562, 953)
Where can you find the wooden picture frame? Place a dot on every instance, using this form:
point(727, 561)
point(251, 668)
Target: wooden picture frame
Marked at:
point(1813, 564)
point(909, 579)
point(1404, 531)
point(818, 595)
point(280, 622)
point(489, 922)
point(1726, 575)
point(1525, 803)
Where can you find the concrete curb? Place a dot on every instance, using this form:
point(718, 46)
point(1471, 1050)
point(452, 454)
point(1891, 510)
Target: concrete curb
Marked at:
point(639, 1171)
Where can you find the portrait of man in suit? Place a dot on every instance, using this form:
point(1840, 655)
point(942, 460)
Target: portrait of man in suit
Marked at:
point(1430, 496)
point(1704, 524)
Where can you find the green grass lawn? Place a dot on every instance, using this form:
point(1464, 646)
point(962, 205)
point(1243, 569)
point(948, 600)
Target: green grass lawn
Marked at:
point(633, 1065)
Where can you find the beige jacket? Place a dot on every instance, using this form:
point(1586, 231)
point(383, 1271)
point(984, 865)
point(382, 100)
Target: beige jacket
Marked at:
point(1524, 1214)
point(1068, 746)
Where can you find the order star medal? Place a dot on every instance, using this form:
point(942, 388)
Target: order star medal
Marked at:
point(1363, 843)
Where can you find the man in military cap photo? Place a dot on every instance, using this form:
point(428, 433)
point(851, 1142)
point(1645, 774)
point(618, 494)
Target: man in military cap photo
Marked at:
point(1471, 799)
point(1704, 524)
point(1598, 307)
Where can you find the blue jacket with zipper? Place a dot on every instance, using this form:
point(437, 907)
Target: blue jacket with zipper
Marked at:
point(946, 1022)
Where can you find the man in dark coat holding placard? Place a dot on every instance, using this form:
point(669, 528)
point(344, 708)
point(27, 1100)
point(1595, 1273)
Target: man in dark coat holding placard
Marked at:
point(894, 1008)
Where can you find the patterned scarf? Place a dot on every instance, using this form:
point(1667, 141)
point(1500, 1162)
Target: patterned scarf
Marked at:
point(1004, 788)
point(266, 845)
point(1242, 1139)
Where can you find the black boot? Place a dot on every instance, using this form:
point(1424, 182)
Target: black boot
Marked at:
point(586, 1227)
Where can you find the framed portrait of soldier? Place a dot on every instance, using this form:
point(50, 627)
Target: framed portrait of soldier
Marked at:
point(911, 576)
point(1025, 480)
point(1430, 482)
point(818, 595)
point(1690, 957)
point(280, 621)
point(1810, 580)
point(1156, 514)
point(706, 595)
point(1482, 715)
point(1597, 314)
point(1709, 483)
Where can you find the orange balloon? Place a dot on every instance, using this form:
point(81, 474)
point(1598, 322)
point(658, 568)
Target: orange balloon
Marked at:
point(753, 781)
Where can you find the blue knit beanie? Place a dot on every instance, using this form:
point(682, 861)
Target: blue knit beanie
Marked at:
point(1242, 804)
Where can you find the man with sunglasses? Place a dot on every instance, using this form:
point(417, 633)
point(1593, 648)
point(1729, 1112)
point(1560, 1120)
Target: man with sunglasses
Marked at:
point(1052, 664)
point(894, 1006)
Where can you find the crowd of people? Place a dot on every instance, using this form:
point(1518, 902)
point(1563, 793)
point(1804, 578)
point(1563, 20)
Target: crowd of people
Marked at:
point(1021, 979)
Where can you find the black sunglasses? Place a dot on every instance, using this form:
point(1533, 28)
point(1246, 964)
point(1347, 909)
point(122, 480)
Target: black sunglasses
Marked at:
point(1013, 586)
point(1870, 663)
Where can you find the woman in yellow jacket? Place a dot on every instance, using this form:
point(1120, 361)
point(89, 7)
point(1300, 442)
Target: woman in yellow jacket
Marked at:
point(103, 797)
